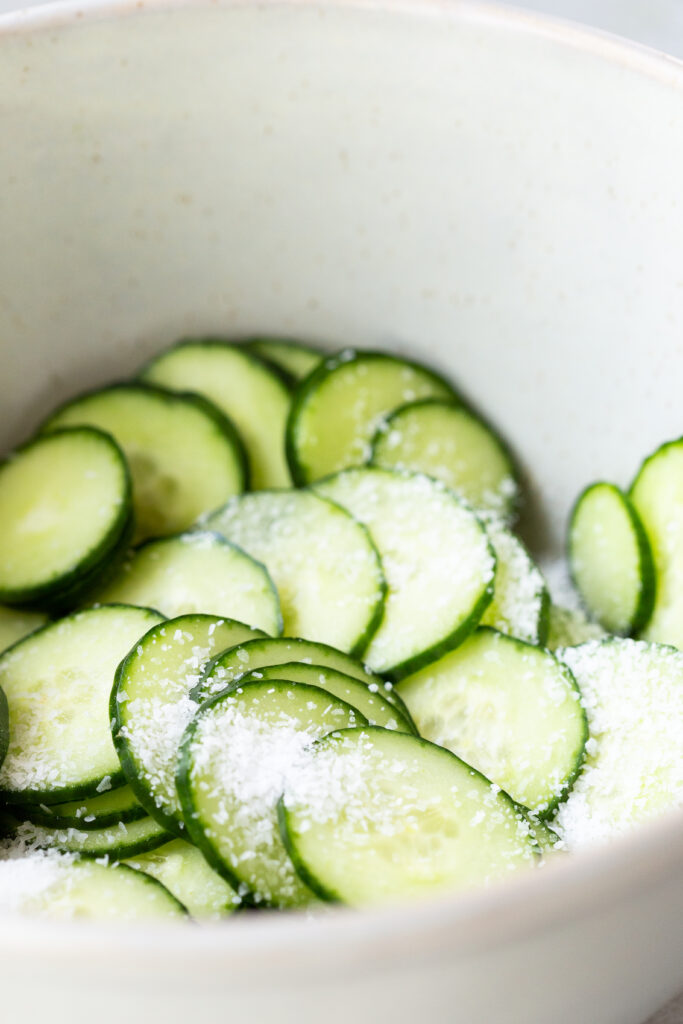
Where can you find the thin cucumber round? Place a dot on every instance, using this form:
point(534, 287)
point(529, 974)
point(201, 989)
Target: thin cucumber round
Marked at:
point(185, 456)
point(437, 561)
point(569, 627)
point(295, 358)
point(610, 559)
point(520, 596)
point(198, 572)
point(65, 511)
point(16, 623)
point(57, 682)
point(377, 816)
point(234, 760)
point(374, 707)
point(59, 886)
point(633, 693)
point(244, 387)
point(184, 871)
point(510, 710)
point(447, 441)
point(109, 808)
point(150, 704)
point(323, 563)
point(337, 409)
point(117, 842)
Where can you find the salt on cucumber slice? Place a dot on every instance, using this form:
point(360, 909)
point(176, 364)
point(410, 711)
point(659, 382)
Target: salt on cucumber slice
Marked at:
point(610, 559)
point(198, 572)
point(545, 839)
point(520, 596)
point(375, 708)
point(60, 886)
point(295, 358)
point(244, 387)
point(510, 710)
point(182, 868)
point(109, 808)
point(569, 627)
point(150, 704)
point(376, 816)
point(234, 759)
point(323, 563)
point(437, 561)
point(185, 456)
point(657, 495)
point(57, 682)
point(337, 409)
point(65, 511)
point(15, 624)
point(117, 842)
point(449, 442)
point(633, 693)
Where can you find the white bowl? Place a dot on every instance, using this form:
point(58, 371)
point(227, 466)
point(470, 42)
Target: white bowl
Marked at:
point(494, 192)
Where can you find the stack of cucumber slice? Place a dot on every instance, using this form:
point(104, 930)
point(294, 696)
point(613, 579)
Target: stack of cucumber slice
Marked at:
point(268, 639)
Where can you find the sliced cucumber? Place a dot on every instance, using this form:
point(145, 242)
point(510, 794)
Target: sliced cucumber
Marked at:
point(296, 359)
point(569, 627)
point(543, 836)
point(377, 815)
point(117, 842)
point(183, 870)
point(110, 808)
point(437, 561)
point(151, 705)
point(185, 456)
point(244, 387)
point(65, 511)
point(338, 408)
point(15, 624)
point(633, 693)
point(520, 596)
point(447, 441)
point(57, 682)
point(375, 708)
point(54, 885)
point(323, 563)
point(198, 572)
point(610, 559)
point(510, 710)
point(234, 760)
point(657, 495)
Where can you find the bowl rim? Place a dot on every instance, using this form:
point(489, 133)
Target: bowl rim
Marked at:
point(533, 903)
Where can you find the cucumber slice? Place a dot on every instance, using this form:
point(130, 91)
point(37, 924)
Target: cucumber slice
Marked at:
point(657, 495)
point(293, 357)
point(437, 561)
point(54, 885)
point(150, 704)
point(376, 816)
point(448, 442)
point(245, 388)
point(633, 694)
point(569, 627)
point(101, 811)
point(57, 683)
point(375, 708)
point(510, 710)
point(520, 596)
point(115, 842)
point(15, 624)
point(338, 408)
point(65, 511)
point(185, 456)
point(610, 559)
point(197, 572)
point(234, 759)
point(183, 870)
point(544, 838)
point(323, 563)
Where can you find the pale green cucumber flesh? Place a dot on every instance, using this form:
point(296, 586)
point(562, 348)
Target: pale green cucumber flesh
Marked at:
point(520, 596)
point(293, 357)
point(117, 842)
point(183, 870)
point(109, 808)
point(569, 627)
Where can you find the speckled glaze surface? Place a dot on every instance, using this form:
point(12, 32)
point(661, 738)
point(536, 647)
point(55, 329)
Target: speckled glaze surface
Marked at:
point(495, 193)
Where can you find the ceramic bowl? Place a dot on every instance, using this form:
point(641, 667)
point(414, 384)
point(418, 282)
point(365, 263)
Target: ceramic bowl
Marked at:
point(495, 193)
